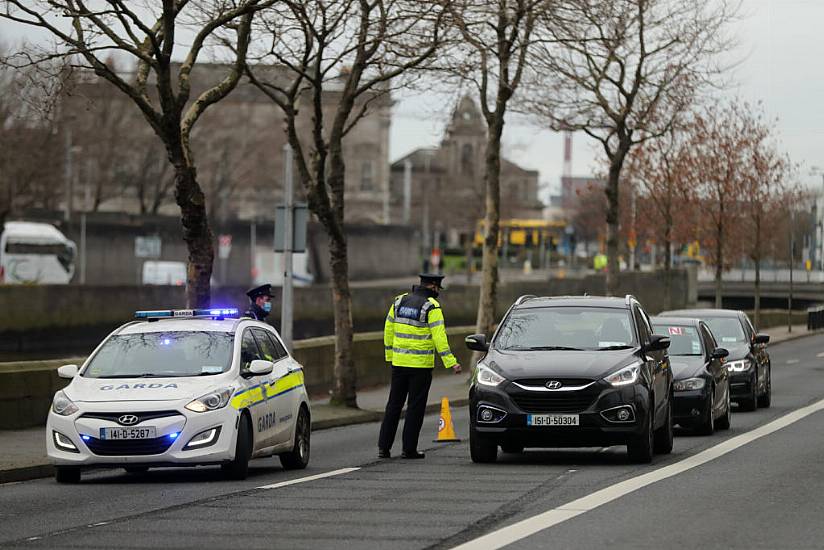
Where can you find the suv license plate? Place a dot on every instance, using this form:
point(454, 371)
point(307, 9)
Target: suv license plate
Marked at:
point(144, 432)
point(552, 420)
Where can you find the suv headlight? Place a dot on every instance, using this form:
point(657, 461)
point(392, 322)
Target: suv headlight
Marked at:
point(211, 401)
point(489, 377)
point(688, 384)
point(738, 366)
point(62, 405)
point(627, 375)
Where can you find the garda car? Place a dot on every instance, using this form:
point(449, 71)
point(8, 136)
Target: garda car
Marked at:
point(571, 372)
point(701, 382)
point(181, 388)
point(748, 362)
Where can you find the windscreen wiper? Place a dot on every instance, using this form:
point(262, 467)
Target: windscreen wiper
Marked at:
point(622, 346)
point(552, 348)
point(144, 375)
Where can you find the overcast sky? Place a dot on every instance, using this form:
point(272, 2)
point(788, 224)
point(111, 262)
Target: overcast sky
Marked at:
point(782, 48)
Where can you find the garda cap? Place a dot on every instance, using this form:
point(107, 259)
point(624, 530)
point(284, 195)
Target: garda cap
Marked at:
point(262, 290)
point(427, 278)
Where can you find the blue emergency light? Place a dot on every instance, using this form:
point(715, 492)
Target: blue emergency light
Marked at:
point(212, 313)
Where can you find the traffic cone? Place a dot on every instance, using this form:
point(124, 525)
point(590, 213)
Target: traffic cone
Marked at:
point(446, 431)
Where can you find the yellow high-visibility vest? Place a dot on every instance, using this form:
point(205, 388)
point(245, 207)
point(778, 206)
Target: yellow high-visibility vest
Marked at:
point(414, 332)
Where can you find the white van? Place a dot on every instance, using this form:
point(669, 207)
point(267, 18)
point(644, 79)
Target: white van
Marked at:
point(164, 273)
point(35, 253)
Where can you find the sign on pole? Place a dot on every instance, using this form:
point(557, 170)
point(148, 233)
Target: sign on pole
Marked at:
point(147, 247)
point(299, 221)
point(224, 246)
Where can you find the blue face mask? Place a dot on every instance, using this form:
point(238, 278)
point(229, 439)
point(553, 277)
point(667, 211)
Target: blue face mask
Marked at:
point(267, 307)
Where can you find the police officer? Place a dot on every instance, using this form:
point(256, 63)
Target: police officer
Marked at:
point(261, 302)
point(414, 331)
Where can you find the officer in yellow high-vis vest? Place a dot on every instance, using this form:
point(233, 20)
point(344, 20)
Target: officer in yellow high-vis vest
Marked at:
point(413, 333)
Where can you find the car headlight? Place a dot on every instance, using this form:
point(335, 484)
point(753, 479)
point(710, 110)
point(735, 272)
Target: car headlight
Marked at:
point(688, 384)
point(62, 405)
point(738, 366)
point(489, 377)
point(211, 401)
point(627, 375)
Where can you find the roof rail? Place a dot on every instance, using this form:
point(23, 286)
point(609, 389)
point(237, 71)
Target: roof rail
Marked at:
point(628, 298)
point(524, 298)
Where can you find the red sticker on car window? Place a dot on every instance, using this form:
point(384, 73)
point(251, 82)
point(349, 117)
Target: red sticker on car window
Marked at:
point(676, 331)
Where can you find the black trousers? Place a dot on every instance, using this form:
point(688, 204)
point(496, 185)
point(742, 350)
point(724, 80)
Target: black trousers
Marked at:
point(412, 382)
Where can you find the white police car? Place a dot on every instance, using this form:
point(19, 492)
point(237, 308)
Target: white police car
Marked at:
point(178, 388)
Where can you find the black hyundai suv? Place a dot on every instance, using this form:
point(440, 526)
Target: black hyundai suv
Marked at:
point(571, 372)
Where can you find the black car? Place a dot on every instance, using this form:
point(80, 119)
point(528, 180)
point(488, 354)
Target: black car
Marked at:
point(571, 372)
point(748, 362)
point(701, 383)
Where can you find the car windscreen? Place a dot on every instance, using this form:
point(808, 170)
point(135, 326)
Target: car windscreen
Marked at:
point(162, 354)
point(559, 328)
point(727, 330)
point(684, 340)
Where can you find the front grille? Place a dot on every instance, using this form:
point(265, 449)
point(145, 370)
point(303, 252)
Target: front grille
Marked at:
point(124, 447)
point(142, 416)
point(541, 382)
point(555, 402)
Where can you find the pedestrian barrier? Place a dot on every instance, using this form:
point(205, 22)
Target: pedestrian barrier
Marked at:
point(815, 318)
point(446, 430)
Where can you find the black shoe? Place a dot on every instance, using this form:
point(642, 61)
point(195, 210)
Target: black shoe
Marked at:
point(412, 454)
point(384, 453)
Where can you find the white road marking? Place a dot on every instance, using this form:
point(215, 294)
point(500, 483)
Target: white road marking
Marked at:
point(308, 478)
point(530, 526)
point(792, 361)
point(820, 354)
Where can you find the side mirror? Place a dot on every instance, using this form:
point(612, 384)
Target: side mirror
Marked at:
point(67, 371)
point(259, 367)
point(761, 338)
point(476, 342)
point(657, 342)
point(719, 353)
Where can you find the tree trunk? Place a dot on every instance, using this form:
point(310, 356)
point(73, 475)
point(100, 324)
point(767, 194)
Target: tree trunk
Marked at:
point(489, 270)
point(614, 216)
point(196, 232)
point(344, 391)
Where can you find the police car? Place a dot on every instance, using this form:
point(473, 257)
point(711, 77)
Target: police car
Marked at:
point(181, 388)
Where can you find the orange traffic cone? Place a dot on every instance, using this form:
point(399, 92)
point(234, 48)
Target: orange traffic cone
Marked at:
point(446, 431)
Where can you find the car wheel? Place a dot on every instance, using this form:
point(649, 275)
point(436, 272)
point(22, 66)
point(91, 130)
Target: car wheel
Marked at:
point(136, 469)
point(512, 449)
point(639, 449)
point(67, 474)
point(238, 468)
point(707, 427)
point(298, 457)
point(663, 437)
point(751, 403)
point(482, 450)
point(765, 400)
point(723, 423)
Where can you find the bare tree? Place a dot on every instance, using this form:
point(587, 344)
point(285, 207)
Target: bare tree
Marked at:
point(623, 71)
point(349, 50)
point(493, 55)
point(148, 37)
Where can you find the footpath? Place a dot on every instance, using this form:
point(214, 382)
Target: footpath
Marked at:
point(23, 452)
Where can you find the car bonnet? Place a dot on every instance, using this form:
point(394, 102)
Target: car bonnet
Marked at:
point(96, 390)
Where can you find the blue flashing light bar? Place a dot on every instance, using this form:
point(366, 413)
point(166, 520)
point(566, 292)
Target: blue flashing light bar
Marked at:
point(214, 313)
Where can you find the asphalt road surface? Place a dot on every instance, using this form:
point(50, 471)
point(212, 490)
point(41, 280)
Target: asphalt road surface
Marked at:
point(759, 485)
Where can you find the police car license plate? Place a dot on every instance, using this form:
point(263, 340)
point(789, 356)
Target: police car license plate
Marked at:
point(552, 420)
point(145, 432)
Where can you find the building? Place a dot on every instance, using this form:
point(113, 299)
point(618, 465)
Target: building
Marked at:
point(444, 194)
point(121, 166)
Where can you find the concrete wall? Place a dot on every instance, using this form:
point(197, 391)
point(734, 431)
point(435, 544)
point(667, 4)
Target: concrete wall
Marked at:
point(43, 319)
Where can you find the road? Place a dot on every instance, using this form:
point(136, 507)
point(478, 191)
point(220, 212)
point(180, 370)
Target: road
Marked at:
point(760, 485)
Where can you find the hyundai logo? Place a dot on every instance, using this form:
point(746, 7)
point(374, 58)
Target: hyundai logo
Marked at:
point(553, 385)
point(128, 420)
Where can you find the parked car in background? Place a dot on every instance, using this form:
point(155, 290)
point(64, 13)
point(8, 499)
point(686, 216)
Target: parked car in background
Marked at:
point(35, 253)
point(701, 382)
point(748, 361)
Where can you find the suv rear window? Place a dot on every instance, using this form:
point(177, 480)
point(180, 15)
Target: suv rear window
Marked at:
point(589, 328)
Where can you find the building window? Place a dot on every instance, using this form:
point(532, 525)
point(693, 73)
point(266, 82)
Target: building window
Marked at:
point(367, 182)
point(467, 160)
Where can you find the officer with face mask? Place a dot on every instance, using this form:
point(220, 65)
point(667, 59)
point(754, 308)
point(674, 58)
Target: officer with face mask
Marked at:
point(261, 302)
